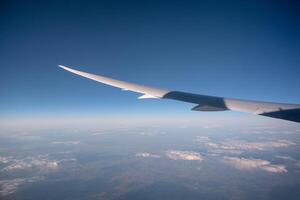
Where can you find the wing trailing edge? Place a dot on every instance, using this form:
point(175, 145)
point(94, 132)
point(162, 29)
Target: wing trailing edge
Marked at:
point(126, 86)
point(284, 111)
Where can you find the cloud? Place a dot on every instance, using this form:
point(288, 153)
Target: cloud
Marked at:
point(66, 142)
point(68, 160)
point(147, 155)
point(242, 145)
point(4, 159)
point(10, 186)
point(17, 165)
point(288, 158)
point(99, 133)
point(40, 162)
point(39, 165)
point(174, 155)
point(252, 164)
point(202, 139)
point(183, 155)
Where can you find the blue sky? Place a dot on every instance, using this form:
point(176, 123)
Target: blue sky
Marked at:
point(241, 49)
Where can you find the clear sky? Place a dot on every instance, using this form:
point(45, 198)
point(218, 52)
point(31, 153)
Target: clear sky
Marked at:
point(241, 49)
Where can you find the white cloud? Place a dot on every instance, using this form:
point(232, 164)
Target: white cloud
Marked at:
point(66, 142)
point(99, 133)
point(202, 139)
point(183, 155)
point(242, 145)
point(10, 186)
point(40, 162)
point(4, 159)
point(152, 132)
point(17, 165)
point(286, 158)
point(147, 155)
point(252, 164)
point(173, 154)
point(68, 160)
point(45, 164)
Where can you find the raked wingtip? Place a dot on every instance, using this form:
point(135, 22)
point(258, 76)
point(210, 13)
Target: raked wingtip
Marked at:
point(64, 67)
point(61, 66)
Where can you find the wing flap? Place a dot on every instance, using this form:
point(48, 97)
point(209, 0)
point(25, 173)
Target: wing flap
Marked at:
point(207, 108)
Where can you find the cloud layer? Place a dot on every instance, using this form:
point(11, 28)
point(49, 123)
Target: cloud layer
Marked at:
point(238, 146)
point(66, 142)
point(173, 155)
point(39, 165)
point(40, 162)
point(147, 155)
point(252, 164)
point(183, 155)
point(10, 186)
point(244, 145)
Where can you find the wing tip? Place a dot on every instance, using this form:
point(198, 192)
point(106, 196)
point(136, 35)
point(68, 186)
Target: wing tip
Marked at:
point(68, 69)
point(63, 67)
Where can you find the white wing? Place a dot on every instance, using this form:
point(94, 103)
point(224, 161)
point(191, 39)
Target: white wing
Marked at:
point(147, 91)
point(289, 112)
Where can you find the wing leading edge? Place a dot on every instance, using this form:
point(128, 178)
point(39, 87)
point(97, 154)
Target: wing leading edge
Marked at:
point(284, 111)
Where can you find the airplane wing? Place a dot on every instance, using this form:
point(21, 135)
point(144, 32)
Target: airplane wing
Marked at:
point(284, 111)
